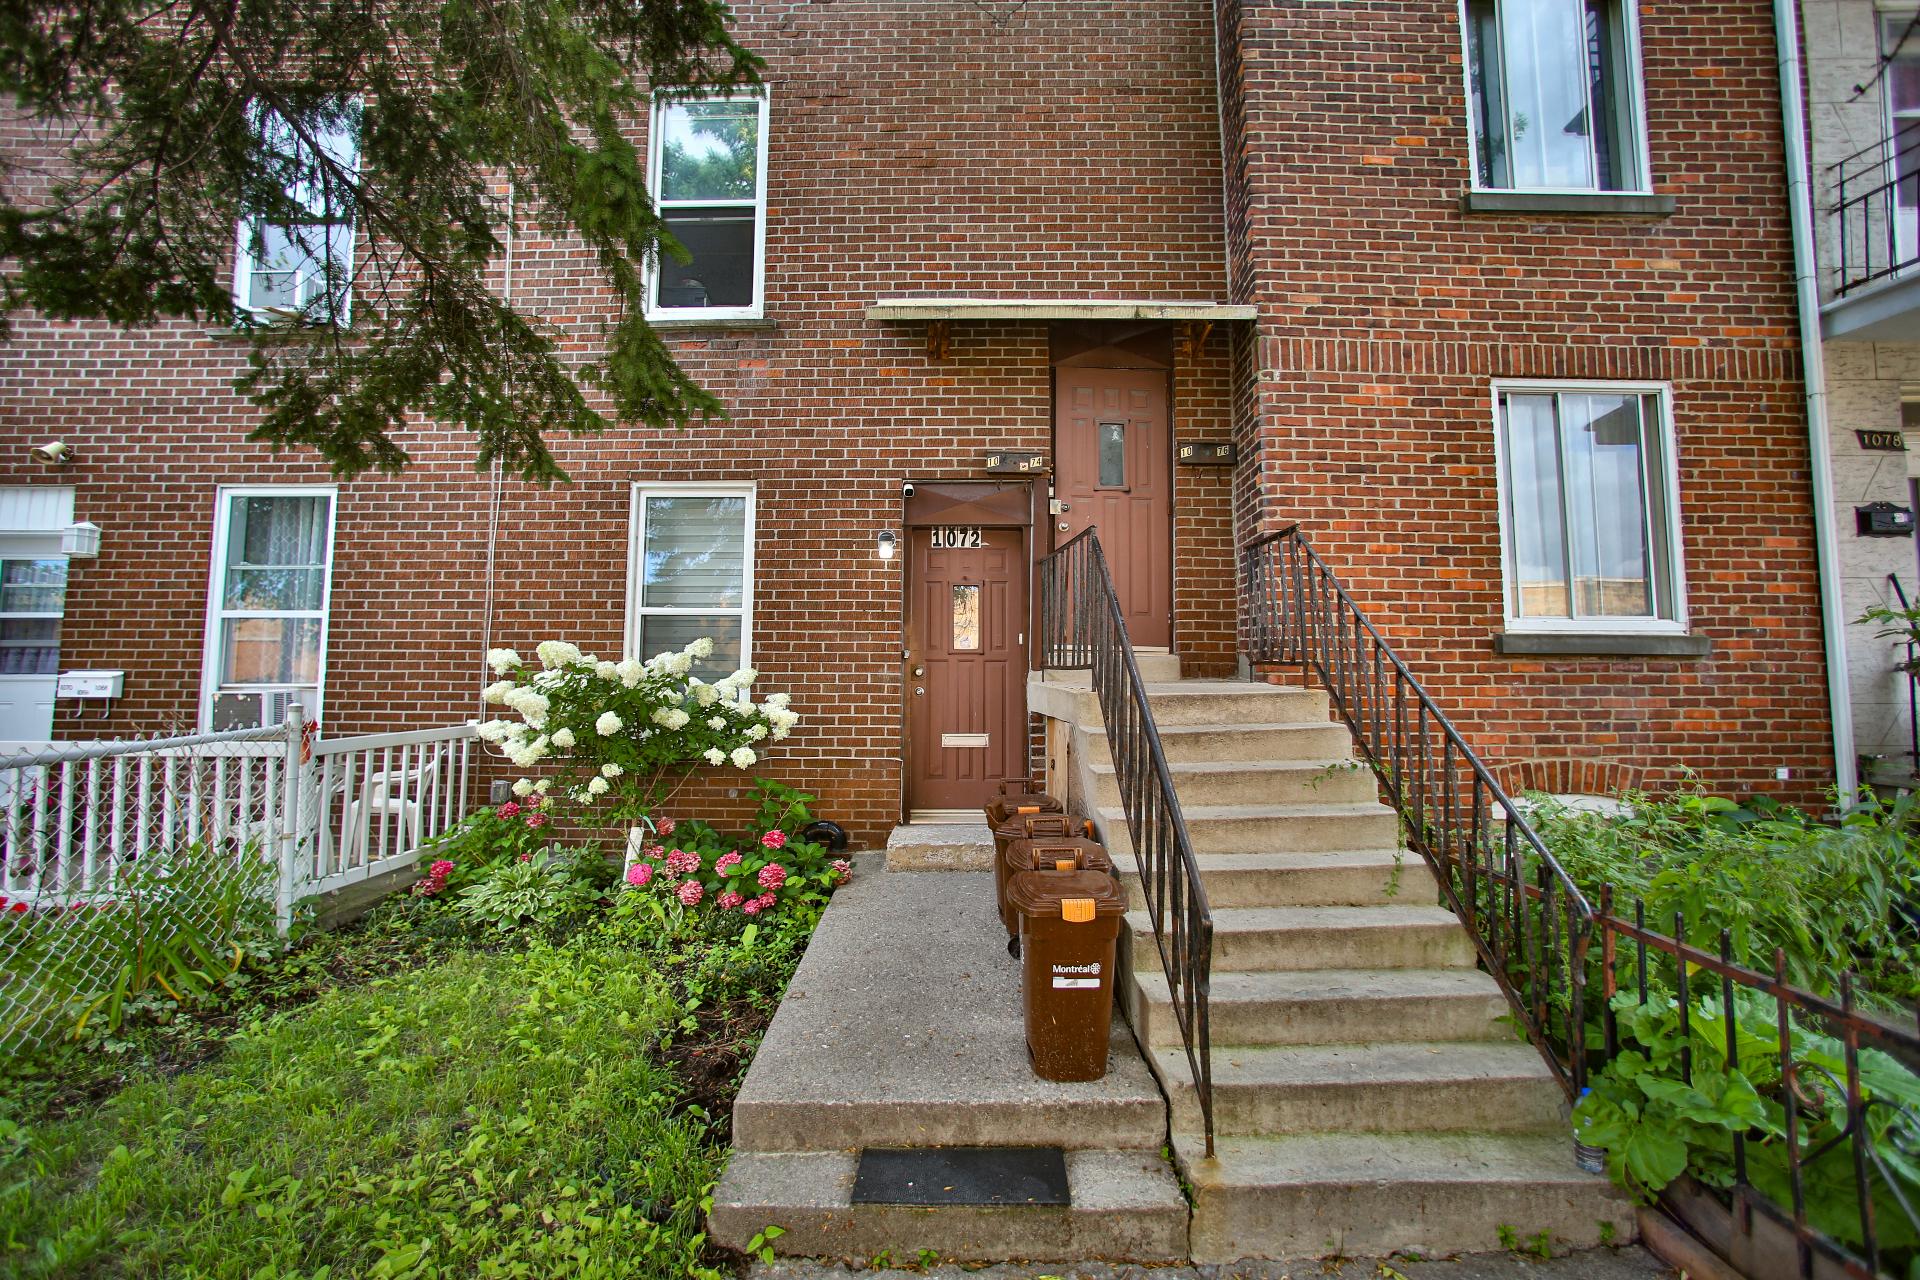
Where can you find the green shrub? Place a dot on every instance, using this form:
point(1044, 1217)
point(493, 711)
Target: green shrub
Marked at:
point(1836, 898)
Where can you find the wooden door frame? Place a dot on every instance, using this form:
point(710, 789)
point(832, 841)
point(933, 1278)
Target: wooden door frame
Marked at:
point(1104, 359)
point(991, 505)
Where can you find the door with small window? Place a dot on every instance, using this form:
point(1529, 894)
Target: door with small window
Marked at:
point(33, 596)
point(1114, 464)
point(966, 666)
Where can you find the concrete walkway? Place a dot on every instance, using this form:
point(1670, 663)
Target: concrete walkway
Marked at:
point(1631, 1263)
point(903, 1028)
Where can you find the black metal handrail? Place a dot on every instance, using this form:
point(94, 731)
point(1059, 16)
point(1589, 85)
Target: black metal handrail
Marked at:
point(1529, 922)
point(1081, 627)
point(1913, 681)
point(1873, 186)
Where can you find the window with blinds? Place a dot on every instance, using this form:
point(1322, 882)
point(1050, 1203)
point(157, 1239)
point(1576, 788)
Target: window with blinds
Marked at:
point(693, 574)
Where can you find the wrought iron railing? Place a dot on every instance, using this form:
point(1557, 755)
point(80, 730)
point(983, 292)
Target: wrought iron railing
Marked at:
point(1540, 938)
point(1911, 669)
point(1531, 925)
point(1081, 627)
point(1877, 209)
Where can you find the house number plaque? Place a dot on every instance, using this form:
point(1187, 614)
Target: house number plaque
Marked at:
point(1881, 441)
point(956, 537)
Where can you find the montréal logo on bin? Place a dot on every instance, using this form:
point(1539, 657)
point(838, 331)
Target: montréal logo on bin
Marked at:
point(1066, 977)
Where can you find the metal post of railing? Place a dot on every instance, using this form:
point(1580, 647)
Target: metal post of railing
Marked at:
point(295, 779)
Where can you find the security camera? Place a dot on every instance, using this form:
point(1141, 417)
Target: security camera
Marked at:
point(906, 490)
point(53, 453)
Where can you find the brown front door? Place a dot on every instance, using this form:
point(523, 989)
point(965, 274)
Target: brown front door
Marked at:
point(966, 665)
point(1114, 463)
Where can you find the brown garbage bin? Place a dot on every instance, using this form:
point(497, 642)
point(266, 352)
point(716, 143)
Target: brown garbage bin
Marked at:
point(1069, 921)
point(1015, 798)
point(1043, 853)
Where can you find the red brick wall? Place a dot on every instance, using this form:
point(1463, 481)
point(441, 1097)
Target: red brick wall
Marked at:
point(1386, 311)
point(1051, 149)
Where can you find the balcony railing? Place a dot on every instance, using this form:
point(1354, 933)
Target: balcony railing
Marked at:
point(1877, 210)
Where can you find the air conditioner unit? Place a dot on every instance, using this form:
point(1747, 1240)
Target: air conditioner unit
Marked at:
point(258, 708)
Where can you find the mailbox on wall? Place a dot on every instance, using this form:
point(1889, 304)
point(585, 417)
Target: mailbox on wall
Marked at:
point(1883, 520)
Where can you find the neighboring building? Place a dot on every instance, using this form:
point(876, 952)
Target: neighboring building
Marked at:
point(1863, 108)
point(1533, 392)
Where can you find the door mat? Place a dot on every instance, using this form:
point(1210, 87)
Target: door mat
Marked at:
point(961, 1175)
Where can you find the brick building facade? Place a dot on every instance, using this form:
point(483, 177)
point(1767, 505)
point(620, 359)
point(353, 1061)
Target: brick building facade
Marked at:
point(1069, 157)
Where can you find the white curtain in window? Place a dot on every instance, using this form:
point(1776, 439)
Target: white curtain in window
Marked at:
point(1544, 43)
point(1606, 505)
point(1538, 552)
point(277, 553)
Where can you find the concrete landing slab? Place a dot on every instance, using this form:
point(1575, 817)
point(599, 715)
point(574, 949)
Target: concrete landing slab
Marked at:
point(903, 1027)
point(940, 846)
point(1631, 1263)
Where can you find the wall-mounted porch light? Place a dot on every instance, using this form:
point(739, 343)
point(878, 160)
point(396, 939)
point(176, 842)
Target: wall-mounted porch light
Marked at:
point(81, 540)
point(886, 544)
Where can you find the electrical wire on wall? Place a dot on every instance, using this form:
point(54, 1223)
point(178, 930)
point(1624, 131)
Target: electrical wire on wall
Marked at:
point(494, 494)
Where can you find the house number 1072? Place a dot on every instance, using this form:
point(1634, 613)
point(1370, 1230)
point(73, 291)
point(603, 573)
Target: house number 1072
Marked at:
point(956, 537)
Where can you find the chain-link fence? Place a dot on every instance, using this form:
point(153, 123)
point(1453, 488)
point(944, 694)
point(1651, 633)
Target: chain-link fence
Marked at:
point(131, 869)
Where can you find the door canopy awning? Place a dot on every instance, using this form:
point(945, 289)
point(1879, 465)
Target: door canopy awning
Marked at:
point(938, 312)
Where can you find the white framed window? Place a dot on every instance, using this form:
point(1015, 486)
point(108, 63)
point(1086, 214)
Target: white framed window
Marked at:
point(707, 175)
point(300, 270)
point(267, 603)
point(33, 595)
point(1554, 95)
point(690, 573)
point(1589, 510)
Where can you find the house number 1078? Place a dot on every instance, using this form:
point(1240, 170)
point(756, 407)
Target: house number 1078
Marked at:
point(956, 537)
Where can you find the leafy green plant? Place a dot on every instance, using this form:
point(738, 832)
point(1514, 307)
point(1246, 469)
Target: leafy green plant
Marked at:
point(1899, 625)
point(543, 891)
point(1836, 898)
point(171, 927)
point(1656, 1120)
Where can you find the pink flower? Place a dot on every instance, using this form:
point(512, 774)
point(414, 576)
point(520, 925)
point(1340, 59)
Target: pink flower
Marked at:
point(690, 893)
point(441, 869)
point(728, 900)
point(639, 874)
point(664, 826)
point(682, 862)
point(652, 850)
point(772, 876)
point(726, 864)
point(508, 810)
point(843, 870)
point(766, 901)
point(774, 840)
point(751, 906)
point(526, 857)
point(537, 821)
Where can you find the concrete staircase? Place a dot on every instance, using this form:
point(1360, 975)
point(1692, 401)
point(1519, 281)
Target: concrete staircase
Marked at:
point(1367, 1097)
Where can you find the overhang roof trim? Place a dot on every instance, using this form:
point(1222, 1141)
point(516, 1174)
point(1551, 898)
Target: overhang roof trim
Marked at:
point(950, 308)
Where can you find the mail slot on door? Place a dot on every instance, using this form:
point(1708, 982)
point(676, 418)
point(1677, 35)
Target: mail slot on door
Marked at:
point(89, 684)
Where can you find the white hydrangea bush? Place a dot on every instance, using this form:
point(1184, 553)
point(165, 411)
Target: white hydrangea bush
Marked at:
point(623, 727)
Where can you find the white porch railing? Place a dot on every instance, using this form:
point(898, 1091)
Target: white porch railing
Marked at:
point(326, 812)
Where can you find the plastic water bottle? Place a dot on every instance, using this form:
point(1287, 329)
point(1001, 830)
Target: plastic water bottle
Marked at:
point(1588, 1159)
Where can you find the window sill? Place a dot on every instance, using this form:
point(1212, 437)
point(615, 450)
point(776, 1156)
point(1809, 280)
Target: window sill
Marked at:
point(1575, 644)
point(683, 324)
point(1595, 203)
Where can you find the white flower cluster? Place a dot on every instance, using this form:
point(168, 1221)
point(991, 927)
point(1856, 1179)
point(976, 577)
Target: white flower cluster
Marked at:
point(723, 706)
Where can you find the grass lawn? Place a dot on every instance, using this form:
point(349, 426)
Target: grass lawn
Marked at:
point(552, 1109)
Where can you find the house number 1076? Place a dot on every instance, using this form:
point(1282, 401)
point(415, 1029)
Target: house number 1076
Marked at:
point(956, 537)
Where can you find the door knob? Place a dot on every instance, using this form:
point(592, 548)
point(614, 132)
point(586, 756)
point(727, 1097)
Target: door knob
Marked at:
point(1064, 526)
point(918, 672)
point(919, 691)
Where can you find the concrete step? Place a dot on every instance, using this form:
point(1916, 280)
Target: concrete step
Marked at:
point(1309, 1195)
point(1393, 936)
point(1198, 742)
point(1157, 666)
point(1126, 1206)
point(1326, 1006)
point(1254, 782)
point(1336, 878)
point(1458, 1087)
point(941, 846)
point(1271, 828)
point(1069, 696)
